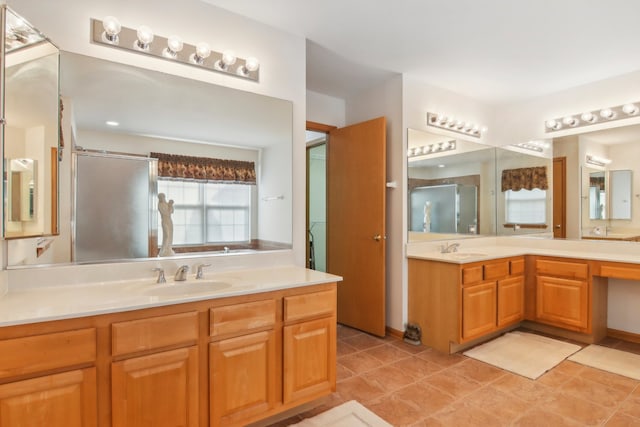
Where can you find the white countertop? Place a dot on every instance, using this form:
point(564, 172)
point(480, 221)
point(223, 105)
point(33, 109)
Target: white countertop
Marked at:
point(43, 303)
point(492, 248)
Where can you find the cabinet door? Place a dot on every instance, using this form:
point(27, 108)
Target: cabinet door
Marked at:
point(156, 390)
point(562, 302)
point(242, 377)
point(309, 359)
point(510, 300)
point(61, 400)
point(478, 310)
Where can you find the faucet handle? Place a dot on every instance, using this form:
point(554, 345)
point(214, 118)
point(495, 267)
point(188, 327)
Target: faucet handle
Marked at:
point(161, 278)
point(199, 273)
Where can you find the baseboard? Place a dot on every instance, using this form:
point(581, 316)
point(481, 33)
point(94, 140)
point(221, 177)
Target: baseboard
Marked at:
point(394, 332)
point(623, 335)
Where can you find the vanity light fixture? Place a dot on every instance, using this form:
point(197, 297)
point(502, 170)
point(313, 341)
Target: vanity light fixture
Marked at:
point(598, 161)
point(437, 147)
point(110, 32)
point(596, 116)
point(452, 124)
point(538, 146)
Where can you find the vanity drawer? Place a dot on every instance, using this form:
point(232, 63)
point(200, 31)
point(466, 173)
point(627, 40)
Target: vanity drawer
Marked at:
point(496, 270)
point(39, 353)
point(471, 274)
point(574, 270)
point(620, 271)
point(516, 267)
point(241, 318)
point(310, 305)
point(154, 332)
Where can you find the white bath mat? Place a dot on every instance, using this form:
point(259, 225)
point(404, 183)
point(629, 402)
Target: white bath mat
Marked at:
point(349, 414)
point(522, 353)
point(610, 360)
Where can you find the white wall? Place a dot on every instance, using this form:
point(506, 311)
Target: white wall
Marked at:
point(325, 109)
point(281, 55)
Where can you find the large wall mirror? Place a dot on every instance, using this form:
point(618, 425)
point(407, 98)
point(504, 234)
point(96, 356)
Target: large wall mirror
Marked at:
point(30, 133)
point(119, 118)
point(463, 189)
point(609, 183)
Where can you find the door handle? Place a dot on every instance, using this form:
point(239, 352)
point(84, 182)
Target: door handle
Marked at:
point(377, 237)
point(558, 226)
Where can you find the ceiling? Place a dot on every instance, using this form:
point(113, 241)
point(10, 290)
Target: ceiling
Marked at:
point(495, 51)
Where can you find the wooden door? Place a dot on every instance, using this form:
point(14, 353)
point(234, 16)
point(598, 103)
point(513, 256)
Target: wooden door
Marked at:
point(356, 203)
point(562, 302)
point(60, 400)
point(156, 390)
point(560, 197)
point(309, 359)
point(510, 300)
point(242, 377)
point(478, 310)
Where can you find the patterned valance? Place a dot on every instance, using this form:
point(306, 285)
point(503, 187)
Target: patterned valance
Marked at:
point(204, 168)
point(527, 178)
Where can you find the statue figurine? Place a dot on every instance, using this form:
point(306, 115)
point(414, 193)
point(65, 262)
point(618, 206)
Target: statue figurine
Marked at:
point(166, 209)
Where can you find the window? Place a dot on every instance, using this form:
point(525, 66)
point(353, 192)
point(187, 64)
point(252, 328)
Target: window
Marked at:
point(526, 206)
point(208, 213)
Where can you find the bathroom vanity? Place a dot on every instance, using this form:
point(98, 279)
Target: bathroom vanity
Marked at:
point(151, 354)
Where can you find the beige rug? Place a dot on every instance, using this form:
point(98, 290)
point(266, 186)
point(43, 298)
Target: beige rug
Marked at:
point(522, 353)
point(610, 360)
point(349, 414)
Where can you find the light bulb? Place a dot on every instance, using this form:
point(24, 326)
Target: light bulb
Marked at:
point(228, 58)
point(202, 52)
point(552, 124)
point(145, 37)
point(607, 113)
point(112, 28)
point(589, 117)
point(630, 109)
point(174, 44)
point(459, 124)
point(570, 121)
point(251, 64)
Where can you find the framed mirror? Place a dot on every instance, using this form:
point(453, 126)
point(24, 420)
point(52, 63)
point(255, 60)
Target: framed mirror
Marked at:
point(115, 111)
point(31, 129)
point(597, 195)
point(620, 182)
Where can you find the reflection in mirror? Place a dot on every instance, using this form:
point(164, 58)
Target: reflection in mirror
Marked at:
point(114, 110)
point(597, 195)
point(619, 178)
point(31, 132)
point(524, 202)
point(451, 193)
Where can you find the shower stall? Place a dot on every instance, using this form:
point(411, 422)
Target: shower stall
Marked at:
point(447, 208)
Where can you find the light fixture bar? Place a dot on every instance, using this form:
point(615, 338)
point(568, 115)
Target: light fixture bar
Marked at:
point(537, 146)
point(588, 118)
point(143, 41)
point(598, 161)
point(437, 147)
point(452, 124)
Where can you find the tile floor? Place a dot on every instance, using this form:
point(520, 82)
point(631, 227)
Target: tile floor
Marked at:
point(417, 386)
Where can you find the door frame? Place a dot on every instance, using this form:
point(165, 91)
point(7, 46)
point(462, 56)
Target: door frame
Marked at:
point(560, 197)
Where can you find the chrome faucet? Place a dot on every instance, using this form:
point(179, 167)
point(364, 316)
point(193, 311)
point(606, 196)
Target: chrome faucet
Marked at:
point(181, 273)
point(199, 272)
point(449, 247)
point(161, 278)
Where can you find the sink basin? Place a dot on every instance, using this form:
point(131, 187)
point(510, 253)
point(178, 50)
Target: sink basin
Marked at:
point(466, 255)
point(186, 289)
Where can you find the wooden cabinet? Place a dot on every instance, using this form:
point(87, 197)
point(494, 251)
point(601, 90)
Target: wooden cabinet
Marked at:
point(563, 293)
point(459, 303)
point(161, 386)
point(309, 346)
point(492, 296)
point(222, 362)
point(61, 386)
point(158, 389)
point(243, 365)
point(67, 399)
